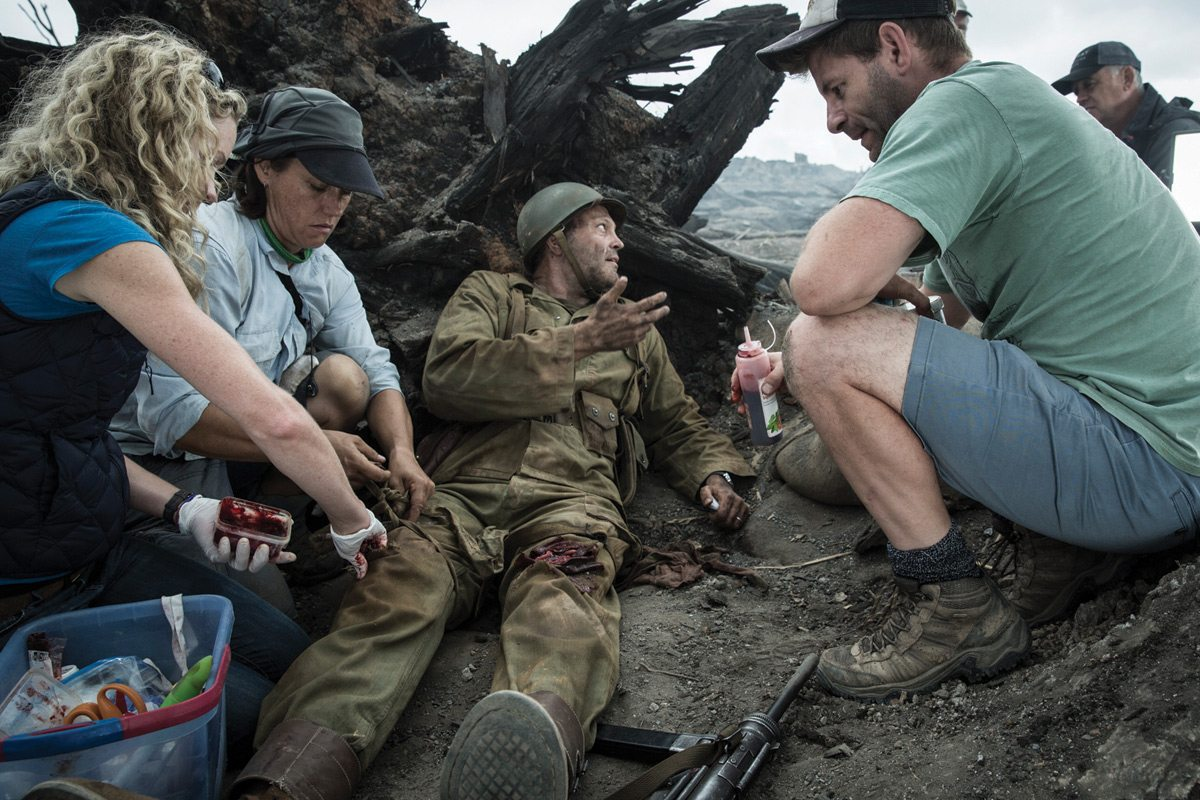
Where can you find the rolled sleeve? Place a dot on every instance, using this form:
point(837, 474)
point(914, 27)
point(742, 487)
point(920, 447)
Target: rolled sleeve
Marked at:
point(345, 330)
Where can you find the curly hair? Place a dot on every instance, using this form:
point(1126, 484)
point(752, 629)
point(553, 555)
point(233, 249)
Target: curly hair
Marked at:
point(125, 118)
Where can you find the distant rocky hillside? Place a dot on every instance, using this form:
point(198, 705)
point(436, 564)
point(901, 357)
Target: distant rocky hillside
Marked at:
point(763, 209)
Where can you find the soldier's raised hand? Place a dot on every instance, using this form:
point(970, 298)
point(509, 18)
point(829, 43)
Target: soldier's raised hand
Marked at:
point(614, 325)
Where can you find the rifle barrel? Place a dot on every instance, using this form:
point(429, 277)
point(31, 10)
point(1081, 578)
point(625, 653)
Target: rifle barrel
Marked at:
point(801, 676)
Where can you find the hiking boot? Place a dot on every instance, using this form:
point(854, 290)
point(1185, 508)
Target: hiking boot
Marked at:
point(963, 628)
point(79, 789)
point(1050, 577)
point(514, 746)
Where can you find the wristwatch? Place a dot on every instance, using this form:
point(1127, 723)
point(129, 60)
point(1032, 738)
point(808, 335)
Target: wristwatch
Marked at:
point(728, 478)
point(171, 509)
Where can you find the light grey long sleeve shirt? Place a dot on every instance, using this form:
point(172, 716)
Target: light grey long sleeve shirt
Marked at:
point(247, 298)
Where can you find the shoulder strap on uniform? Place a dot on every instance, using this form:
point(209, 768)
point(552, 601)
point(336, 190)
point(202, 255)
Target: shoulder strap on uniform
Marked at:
point(516, 311)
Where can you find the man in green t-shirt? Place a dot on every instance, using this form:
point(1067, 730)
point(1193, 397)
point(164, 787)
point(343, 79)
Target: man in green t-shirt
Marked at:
point(1074, 415)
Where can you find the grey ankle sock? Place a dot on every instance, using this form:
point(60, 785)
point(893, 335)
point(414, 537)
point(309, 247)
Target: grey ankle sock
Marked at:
point(948, 560)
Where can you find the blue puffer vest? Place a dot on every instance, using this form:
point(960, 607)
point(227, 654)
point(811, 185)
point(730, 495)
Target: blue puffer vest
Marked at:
point(63, 486)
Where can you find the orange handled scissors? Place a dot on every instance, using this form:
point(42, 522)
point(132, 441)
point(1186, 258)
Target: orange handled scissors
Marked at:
point(114, 700)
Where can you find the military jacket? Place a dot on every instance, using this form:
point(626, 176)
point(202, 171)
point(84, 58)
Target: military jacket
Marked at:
point(540, 413)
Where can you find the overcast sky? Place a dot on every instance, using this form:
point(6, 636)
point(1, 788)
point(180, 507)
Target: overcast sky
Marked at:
point(1042, 36)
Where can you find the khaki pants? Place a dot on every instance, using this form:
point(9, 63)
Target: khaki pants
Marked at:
point(558, 633)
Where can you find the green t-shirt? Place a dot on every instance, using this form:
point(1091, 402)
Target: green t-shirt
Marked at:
point(1058, 238)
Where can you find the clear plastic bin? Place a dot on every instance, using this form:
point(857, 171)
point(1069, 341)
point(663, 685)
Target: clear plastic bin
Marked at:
point(175, 753)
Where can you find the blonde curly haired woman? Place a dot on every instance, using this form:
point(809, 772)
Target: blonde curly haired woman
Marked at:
point(103, 164)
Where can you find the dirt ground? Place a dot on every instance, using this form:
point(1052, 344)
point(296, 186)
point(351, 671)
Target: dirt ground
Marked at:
point(1105, 707)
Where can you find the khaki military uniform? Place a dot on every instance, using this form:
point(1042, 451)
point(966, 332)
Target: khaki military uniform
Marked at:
point(529, 496)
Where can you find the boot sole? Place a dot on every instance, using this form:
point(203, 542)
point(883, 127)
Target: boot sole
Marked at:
point(1015, 648)
point(507, 748)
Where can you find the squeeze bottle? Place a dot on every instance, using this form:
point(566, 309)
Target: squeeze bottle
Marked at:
point(753, 364)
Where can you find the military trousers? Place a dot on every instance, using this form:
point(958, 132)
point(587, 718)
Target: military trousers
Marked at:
point(555, 552)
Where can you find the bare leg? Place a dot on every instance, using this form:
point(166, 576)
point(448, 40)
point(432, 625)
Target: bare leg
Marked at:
point(849, 372)
point(343, 391)
point(342, 395)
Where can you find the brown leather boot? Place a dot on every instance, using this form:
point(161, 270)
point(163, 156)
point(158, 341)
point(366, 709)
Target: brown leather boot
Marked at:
point(79, 789)
point(300, 761)
point(515, 746)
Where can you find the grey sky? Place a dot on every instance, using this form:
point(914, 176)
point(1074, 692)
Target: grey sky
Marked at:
point(1042, 36)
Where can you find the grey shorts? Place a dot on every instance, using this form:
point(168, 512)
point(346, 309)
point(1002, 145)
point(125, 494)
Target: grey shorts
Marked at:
point(1006, 433)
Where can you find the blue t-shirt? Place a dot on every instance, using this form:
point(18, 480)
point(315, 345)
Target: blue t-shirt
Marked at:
point(47, 242)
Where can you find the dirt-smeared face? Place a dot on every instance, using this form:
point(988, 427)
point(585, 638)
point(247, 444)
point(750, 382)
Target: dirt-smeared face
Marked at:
point(594, 242)
point(302, 210)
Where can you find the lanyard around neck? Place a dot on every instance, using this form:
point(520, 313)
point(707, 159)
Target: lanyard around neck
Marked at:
point(277, 246)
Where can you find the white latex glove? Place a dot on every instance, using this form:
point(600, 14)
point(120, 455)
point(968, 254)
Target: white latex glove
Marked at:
point(352, 546)
point(198, 517)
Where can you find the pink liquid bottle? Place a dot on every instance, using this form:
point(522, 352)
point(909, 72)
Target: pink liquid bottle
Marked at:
point(753, 364)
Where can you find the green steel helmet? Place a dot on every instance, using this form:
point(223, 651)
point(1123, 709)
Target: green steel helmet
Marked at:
point(547, 210)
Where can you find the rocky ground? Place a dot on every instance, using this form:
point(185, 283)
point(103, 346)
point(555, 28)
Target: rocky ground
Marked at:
point(1105, 707)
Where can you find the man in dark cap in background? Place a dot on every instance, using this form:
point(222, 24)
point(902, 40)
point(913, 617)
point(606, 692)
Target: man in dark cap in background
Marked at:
point(962, 17)
point(1074, 414)
point(273, 282)
point(1107, 81)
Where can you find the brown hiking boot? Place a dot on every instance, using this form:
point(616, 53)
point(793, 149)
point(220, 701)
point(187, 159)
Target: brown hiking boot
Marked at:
point(1050, 577)
point(963, 628)
point(300, 760)
point(514, 746)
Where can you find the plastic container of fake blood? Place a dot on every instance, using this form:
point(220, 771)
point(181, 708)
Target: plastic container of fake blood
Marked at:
point(245, 519)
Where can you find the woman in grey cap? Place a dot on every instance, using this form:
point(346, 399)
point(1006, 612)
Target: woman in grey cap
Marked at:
point(301, 161)
point(272, 282)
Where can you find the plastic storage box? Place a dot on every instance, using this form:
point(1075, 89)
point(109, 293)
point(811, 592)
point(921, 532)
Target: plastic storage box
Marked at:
point(175, 753)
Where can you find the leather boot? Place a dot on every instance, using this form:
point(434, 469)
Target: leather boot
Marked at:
point(79, 789)
point(300, 761)
point(515, 746)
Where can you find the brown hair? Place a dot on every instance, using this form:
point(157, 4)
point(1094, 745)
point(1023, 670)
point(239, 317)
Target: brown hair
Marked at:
point(251, 194)
point(936, 36)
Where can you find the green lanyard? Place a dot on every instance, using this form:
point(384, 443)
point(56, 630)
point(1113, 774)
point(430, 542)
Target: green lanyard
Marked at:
point(278, 247)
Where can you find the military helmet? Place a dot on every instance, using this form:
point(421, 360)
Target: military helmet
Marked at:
point(547, 210)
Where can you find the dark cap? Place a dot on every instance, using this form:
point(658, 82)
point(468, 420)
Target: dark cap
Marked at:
point(825, 15)
point(1090, 59)
point(317, 127)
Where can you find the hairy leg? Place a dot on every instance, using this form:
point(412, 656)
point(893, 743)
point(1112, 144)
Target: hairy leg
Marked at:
point(849, 372)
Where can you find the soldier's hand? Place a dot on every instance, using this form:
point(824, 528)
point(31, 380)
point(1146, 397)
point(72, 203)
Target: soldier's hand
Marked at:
point(731, 510)
point(614, 325)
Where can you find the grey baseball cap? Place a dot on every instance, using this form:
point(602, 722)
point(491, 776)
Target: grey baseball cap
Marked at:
point(1092, 58)
point(825, 15)
point(320, 129)
point(961, 8)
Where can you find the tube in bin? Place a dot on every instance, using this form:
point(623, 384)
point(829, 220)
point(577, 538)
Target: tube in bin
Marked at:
point(753, 364)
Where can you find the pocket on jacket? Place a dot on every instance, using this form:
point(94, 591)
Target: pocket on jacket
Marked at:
point(598, 421)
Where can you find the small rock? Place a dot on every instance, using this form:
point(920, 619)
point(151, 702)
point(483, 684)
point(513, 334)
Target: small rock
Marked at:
point(841, 751)
point(655, 707)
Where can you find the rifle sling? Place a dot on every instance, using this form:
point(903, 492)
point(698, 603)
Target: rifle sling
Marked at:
point(641, 787)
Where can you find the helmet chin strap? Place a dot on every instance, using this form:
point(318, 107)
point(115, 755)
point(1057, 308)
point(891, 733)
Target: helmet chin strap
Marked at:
point(588, 289)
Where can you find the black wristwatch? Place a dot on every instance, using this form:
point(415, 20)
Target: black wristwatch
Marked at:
point(171, 509)
point(728, 478)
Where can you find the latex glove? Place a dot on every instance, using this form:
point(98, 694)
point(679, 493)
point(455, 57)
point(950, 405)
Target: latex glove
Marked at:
point(198, 517)
point(352, 546)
